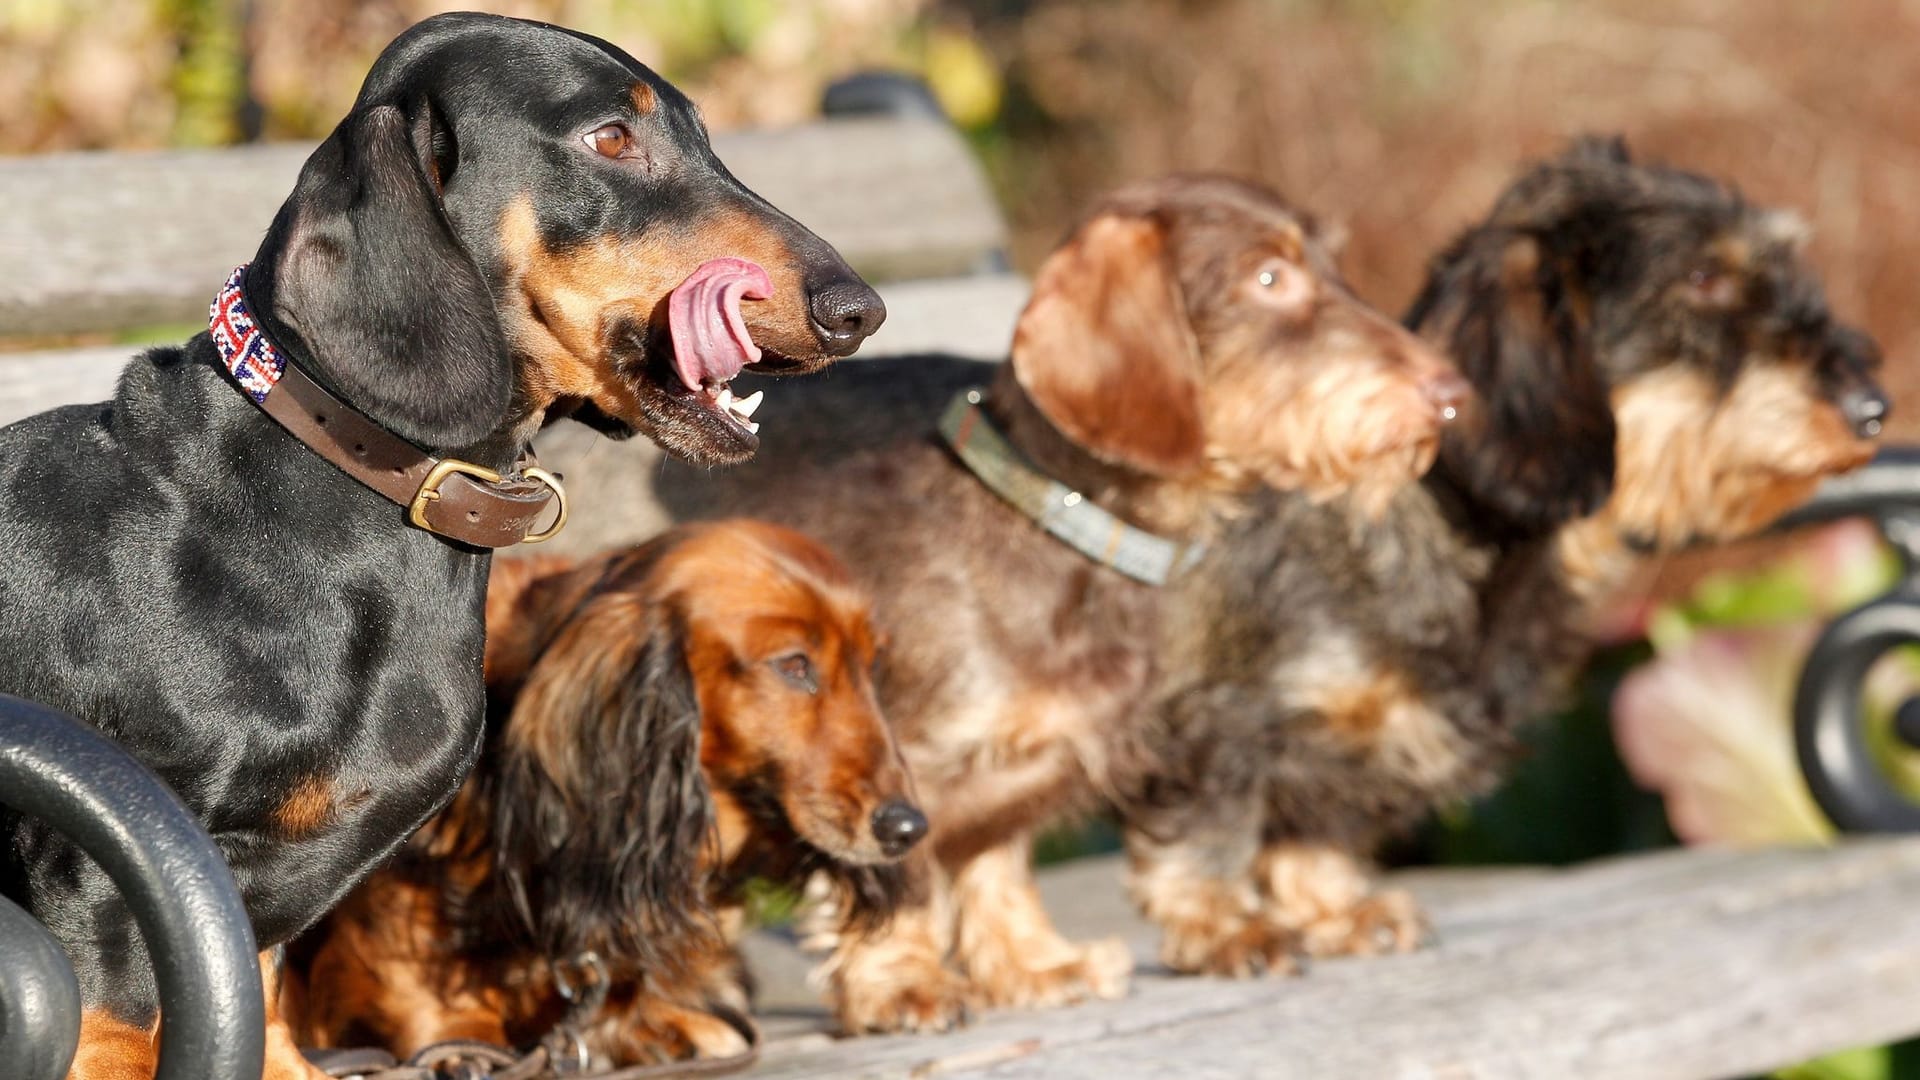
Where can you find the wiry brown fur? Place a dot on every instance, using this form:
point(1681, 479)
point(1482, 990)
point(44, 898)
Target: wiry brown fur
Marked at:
point(1655, 367)
point(668, 722)
point(1156, 374)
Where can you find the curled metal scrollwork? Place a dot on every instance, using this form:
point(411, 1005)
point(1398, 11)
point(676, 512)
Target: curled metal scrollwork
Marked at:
point(39, 999)
point(175, 883)
point(1829, 720)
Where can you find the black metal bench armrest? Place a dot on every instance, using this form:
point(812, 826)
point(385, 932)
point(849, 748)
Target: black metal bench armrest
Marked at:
point(1829, 723)
point(175, 882)
point(39, 999)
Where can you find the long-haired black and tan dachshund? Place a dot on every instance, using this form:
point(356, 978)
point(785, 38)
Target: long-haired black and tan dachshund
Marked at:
point(668, 723)
point(515, 222)
point(1189, 345)
point(1656, 367)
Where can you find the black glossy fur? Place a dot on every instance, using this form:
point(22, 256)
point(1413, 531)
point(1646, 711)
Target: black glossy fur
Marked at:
point(1354, 674)
point(247, 619)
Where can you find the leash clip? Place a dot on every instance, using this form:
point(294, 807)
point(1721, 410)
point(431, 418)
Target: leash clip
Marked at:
point(585, 991)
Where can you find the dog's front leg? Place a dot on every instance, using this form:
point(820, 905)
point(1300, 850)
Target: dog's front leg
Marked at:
point(1193, 831)
point(1328, 897)
point(284, 1060)
point(1009, 947)
point(891, 976)
point(112, 1049)
point(1195, 880)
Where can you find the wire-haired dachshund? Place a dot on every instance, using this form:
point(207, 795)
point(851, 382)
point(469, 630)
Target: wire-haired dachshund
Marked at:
point(1188, 346)
point(515, 222)
point(1655, 367)
point(668, 722)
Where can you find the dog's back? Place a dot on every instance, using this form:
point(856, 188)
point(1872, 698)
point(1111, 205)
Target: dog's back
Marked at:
point(807, 425)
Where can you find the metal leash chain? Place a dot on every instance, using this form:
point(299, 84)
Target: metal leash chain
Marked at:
point(561, 1054)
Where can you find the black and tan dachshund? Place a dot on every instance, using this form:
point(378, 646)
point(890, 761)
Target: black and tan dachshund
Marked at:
point(516, 222)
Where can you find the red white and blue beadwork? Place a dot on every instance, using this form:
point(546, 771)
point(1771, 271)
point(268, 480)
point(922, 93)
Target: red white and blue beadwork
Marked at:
point(254, 362)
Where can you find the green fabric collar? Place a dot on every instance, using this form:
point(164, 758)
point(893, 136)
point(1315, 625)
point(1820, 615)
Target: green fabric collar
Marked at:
point(1063, 512)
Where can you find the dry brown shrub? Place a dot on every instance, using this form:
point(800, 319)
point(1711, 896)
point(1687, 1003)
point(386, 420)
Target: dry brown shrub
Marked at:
point(1400, 120)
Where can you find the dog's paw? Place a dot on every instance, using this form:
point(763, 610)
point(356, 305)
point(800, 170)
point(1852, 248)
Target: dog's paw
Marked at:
point(933, 999)
point(1378, 924)
point(1238, 948)
point(709, 1036)
point(1099, 969)
point(656, 1032)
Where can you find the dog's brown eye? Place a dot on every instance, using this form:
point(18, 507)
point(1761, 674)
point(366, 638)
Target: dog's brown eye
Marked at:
point(1279, 283)
point(610, 140)
point(1710, 285)
point(797, 670)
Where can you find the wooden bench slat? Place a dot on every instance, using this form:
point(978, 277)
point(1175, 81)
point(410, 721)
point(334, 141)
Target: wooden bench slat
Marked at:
point(970, 316)
point(1677, 964)
point(38, 381)
point(109, 241)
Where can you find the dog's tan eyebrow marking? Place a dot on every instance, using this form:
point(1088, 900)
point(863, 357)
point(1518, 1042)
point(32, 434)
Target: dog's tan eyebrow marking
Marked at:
point(643, 99)
point(1733, 250)
point(1293, 242)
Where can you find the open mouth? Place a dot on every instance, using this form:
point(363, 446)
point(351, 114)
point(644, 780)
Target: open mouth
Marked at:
point(711, 343)
point(682, 372)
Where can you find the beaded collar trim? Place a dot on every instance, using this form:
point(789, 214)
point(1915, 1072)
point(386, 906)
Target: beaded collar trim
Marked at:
point(252, 359)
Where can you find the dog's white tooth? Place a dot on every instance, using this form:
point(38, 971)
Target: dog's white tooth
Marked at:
point(753, 427)
point(746, 405)
point(725, 398)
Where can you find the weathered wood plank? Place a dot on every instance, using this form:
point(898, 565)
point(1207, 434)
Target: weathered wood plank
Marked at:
point(107, 241)
point(1679, 964)
point(970, 316)
point(38, 381)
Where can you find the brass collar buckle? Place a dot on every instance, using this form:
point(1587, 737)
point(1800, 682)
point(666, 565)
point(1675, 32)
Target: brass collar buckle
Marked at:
point(430, 492)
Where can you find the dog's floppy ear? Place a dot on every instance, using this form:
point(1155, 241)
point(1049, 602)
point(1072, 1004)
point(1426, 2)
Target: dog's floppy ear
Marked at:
point(1538, 449)
point(600, 811)
point(362, 277)
point(1105, 351)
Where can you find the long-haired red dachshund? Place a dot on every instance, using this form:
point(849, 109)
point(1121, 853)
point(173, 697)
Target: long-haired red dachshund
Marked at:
point(666, 723)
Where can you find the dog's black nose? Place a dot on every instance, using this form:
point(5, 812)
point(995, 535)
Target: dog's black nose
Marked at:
point(845, 311)
point(898, 826)
point(1866, 409)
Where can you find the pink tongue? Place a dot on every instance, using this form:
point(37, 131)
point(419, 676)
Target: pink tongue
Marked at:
point(710, 339)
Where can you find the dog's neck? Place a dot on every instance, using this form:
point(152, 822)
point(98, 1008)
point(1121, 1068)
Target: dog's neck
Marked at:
point(499, 450)
point(1165, 508)
point(483, 495)
point(1516, 613)
point(1589, 558)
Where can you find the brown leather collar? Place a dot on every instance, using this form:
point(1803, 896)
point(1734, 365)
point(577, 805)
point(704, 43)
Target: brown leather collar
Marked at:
point(445, 496)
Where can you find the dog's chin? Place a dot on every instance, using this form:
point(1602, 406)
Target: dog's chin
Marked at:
point(691, 426)
point(1392, 470)
point(695, 426)
point(1756, 500)
point(1365, 479)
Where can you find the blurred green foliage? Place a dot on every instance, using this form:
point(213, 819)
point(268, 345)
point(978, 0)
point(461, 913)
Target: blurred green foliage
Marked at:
point(208, 80)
